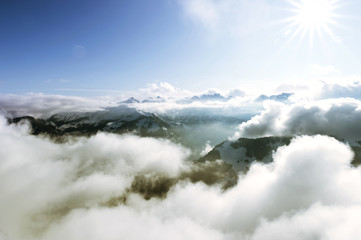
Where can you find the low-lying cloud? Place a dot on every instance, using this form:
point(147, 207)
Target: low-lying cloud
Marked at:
point(164, 98)
point(81, 189)
point(336, 117)
point(42, 180)
point(41, 105)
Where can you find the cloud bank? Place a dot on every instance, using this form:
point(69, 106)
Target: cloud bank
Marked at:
point(336, 117)
point(41, 105)
point(165, 98)
point(80, 190)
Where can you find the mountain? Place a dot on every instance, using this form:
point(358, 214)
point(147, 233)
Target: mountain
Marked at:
point(191, 127)
point(121, 119)
point(280, 97)
point(244, 151)
point(131, 100)
point(38, 126)
point(208, 97)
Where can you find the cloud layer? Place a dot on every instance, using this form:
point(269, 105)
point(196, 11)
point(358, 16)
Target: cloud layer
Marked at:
point(165, 98)
point(42, 180)
point(336, 117)
point(41, 105)
point(80, 190)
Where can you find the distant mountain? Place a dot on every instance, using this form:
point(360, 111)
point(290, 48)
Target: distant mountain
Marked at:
point(207, 97)
point(131, 100)
point(190, 127)
point(280, 97)
point(121, 119)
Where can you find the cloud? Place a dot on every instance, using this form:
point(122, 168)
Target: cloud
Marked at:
point(79, 51)
point(41, 105)
point(323, 70)
point(45, 181)
point(203, 11)
point(165, 98)
point(206, 149)
point(318, 222)
point(233, 17)
point(335, 117)
point(325, 88)
point(291, 185)
point(236, 93)
point(343, 88)
point(82, 189)
point(162, 89)
point(168, 91)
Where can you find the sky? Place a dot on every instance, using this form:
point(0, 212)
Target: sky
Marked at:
point(93, 47)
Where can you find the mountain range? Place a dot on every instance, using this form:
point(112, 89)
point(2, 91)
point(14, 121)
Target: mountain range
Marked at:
point(190, 128)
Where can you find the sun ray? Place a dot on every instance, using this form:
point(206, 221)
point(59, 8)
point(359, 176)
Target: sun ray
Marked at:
point(313, 18)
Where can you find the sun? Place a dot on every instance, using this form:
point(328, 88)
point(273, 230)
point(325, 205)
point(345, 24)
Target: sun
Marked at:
point(313, 17)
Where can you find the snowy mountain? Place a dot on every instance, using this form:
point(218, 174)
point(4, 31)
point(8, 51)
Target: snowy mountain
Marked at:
point(121, 119)
point(209, 97)
point(280, 97)
point(131, 100)
point(190, 127)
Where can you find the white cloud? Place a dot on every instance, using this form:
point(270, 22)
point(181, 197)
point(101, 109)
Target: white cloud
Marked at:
point(162, 89)
point(236, 93)
point(324, 88)
point(323, 70)
point(343, 88)
point(317, 222)
point(44, 181)
point(62, 191)
point(171, 100)
point(335, 117)
point(311, 170)
point(236, 102)
point(174, 100)
point(41, 105)
point(206, 149)
point(234, 17)
point(204, 11)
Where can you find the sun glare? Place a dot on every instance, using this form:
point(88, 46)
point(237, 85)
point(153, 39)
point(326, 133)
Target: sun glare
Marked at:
point(313, 16)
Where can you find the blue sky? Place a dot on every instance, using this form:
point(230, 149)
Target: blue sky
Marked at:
point(90, 47)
